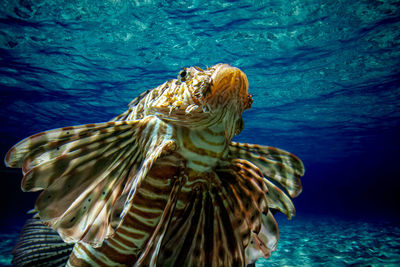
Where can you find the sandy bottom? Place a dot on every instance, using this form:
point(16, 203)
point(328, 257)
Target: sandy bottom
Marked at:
point(328, 241)
point(308, 241)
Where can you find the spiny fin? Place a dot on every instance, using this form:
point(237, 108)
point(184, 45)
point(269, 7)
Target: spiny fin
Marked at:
point(39, 245)
point(264, 242)
point(277, 199)
point(264, 239)
point(155, 102)
point(276, 164)
point(44, 146)
point(135, 110)
point(219, 218)
point(179, 116)
point(85, 170)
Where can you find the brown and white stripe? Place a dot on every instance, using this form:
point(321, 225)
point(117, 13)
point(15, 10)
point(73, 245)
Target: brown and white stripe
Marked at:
point(162, 184)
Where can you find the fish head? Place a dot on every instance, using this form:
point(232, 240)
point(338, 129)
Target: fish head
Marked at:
point(216, 88)
point(202, 98)
point(228, 88)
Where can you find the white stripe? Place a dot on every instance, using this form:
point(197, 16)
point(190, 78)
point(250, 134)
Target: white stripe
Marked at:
point(129, 239)
point(127, 248)
point(147, 222)
point(134, 230)
point(118, 249)
point(80, 254)
point(194, 137)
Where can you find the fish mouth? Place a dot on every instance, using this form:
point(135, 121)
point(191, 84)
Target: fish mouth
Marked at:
point(229, 85)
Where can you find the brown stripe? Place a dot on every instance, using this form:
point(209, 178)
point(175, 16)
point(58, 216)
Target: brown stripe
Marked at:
point(113, 254)
point(200, 163)
point(146, 215)
point(74, 261)
point(232, 242)
point(157, 193)
point(209, 141)
point(190, 146)
point(36, 140)
point(10, 154)
point(142, 200)
point(91, 256)
point(208, 131)
point(68, 128)
point(123, 231)
point(128, 243)
point(139, 225)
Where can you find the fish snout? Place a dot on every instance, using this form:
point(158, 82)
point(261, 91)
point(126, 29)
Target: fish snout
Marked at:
point(230, 84)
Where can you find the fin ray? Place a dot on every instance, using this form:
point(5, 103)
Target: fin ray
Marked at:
point(215, 226)
point(86, 170)
point(276, 164)
point(276, 198)
point(43, 175)
point(52, 140)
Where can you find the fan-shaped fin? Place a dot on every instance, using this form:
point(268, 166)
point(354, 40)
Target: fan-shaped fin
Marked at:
point(44, 146)
point(85, 170)
point(96, 151)
point(277, 199)
point(279, 165)
point(263, 243)
point(211, 221)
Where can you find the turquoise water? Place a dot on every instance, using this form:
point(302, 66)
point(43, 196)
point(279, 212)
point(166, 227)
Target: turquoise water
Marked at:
point(8, 238)
point(333, 241)
point(324, 76)
point(312, 241)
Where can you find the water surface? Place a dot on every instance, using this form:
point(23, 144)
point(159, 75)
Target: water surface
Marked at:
point(324, 76)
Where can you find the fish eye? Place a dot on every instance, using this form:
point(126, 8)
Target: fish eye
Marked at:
point(182, 74)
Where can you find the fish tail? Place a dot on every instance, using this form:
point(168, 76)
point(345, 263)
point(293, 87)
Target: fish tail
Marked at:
point(39, 245)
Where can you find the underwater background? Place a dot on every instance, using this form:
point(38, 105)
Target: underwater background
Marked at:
point(324, 75)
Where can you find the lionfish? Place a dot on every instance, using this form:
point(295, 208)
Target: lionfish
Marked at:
point(161, 184)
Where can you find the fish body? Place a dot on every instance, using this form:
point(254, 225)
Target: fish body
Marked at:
point(163, 184)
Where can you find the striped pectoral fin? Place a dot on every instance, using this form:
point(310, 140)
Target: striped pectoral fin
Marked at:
point(264, 235)
point(215, 226)
point(202, 233)
point(276, 198)
point(84, 171)
point(278, 165)
point(82, 177)
point(46, 146)
point(211, 222)
point(263, 243)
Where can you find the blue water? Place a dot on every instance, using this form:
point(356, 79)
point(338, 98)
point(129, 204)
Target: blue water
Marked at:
point(324, 75)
